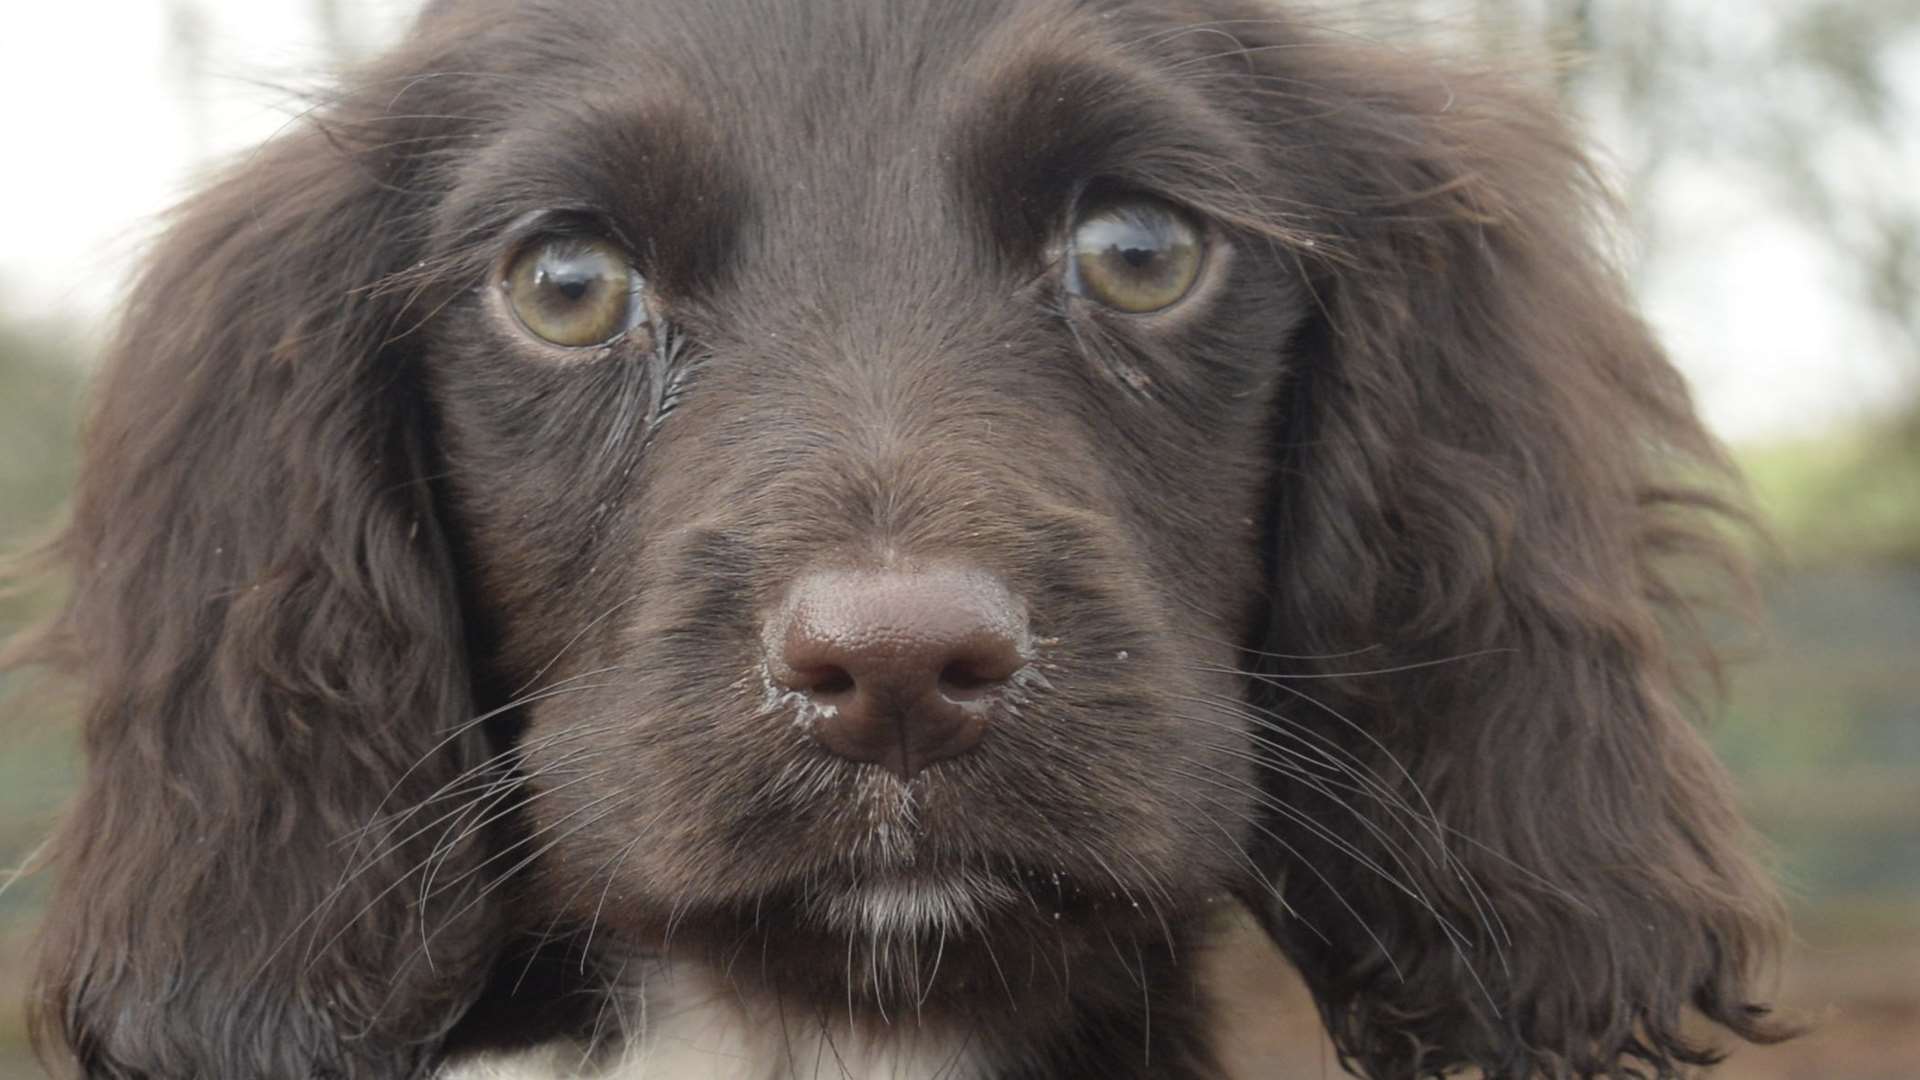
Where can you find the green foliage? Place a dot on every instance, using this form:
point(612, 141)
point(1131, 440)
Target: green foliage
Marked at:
point(1821, 729)
point(40, 396)
point(1853, 497)
point(41, 390)
point(41, 380)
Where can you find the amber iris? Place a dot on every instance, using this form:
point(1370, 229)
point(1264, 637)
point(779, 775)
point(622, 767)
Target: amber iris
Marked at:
point(574, 291)
point(1134, 254)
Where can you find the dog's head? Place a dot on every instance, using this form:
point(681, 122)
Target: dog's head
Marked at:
point(879, 488)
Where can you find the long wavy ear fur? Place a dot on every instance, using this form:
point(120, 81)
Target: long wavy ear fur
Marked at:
point(1504, 845)
point(264, 621)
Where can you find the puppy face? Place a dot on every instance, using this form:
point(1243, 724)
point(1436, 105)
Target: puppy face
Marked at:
point(909, 502)
point(856, 339)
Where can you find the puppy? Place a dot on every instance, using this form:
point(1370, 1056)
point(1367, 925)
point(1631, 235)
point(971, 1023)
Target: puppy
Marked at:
point(767, 539)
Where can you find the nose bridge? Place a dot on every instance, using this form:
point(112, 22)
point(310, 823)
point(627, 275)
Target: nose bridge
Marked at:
point(932, 442)
point(872, 295)
point(895, 417)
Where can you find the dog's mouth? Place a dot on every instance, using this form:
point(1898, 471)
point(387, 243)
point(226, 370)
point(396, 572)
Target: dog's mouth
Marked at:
point(958, 902)
point(909, 906)
point(931, 938)
point(948, 900)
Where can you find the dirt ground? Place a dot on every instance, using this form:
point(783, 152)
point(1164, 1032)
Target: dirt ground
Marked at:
point(1861, 996)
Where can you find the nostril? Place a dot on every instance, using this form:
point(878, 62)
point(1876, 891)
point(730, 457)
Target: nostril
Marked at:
point(969, 677)
point(822, 682)
point(963, 681)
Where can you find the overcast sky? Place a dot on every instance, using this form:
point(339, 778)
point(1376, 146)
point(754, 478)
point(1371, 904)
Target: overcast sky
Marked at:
point(101, 137)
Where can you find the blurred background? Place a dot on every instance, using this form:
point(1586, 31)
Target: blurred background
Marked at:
point(1769, 154)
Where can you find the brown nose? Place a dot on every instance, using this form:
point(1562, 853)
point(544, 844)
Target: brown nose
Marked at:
point(902, 666)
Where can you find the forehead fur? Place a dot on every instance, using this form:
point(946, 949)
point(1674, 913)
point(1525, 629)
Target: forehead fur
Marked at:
point(740, 127)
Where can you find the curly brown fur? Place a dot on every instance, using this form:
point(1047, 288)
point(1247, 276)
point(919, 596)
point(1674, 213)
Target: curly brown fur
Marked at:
point(420, 663)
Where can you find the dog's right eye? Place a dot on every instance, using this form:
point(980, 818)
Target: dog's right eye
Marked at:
point(574, 291)
point(1135, 255)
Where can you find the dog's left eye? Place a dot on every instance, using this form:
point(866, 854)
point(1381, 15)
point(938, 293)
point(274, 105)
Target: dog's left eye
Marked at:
point(574, 291)
point(1134, 254)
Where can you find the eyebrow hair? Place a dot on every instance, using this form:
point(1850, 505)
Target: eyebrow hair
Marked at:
point(654, 172)
point(1045, 125)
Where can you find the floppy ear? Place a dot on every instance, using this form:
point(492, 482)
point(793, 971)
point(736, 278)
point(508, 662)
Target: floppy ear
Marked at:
point(1502, 842)
point(264, 621)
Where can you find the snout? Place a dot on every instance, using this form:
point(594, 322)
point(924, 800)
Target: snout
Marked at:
point(901, 667)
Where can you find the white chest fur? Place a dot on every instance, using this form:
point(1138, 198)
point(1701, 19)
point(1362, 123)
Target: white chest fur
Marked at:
point(685, 1024)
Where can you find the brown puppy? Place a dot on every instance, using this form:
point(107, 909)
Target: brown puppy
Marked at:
point(870, 524)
